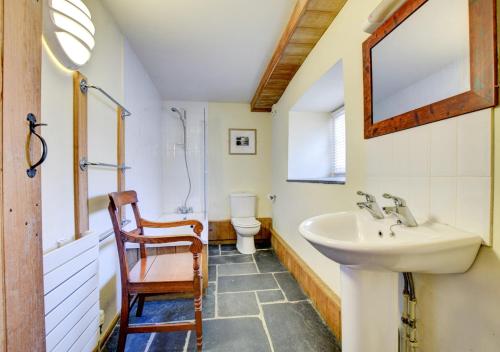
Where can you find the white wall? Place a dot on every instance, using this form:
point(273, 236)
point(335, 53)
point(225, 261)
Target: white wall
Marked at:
point(57, 170)
point(309, 153)
point(110, 67)
point(236, 173)
point(455, 312)
point(143, 136)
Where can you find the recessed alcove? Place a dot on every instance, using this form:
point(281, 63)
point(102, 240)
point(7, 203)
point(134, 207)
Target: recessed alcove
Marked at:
point(316, 142)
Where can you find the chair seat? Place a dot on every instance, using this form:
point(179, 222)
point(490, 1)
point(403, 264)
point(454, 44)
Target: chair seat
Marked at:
point(164, 268)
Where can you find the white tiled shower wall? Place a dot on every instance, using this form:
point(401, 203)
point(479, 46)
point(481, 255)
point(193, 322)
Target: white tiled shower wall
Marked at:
point(175, 182)
point(442, 169)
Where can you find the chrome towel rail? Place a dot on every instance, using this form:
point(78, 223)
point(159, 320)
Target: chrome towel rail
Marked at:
point(84, 165)
point(84, 87)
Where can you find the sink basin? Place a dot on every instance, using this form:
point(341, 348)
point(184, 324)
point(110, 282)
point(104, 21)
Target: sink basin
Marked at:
point(356, 240)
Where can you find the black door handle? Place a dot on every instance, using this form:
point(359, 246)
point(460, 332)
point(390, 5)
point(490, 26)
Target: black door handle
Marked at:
point(32, 120)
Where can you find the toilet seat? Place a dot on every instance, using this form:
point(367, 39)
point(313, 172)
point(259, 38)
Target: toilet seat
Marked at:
point(245, 222)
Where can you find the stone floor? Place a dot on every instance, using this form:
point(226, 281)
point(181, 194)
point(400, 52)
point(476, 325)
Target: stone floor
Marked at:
point(252, 304)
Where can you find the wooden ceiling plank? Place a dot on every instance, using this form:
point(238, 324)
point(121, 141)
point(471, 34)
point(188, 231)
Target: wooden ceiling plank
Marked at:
point(307, 35)
point(298, 49)
point(326, 5)
point(308, 22)
point(297, 13)
point(316, 19)
point(292, 59)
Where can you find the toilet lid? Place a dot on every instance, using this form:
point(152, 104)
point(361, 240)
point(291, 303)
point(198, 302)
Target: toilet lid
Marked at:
point(245, 222)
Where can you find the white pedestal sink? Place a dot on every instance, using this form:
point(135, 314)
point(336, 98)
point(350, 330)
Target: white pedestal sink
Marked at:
point(371, 258)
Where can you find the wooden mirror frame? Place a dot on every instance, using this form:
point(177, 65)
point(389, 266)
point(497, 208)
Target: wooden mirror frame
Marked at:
point(483, 62)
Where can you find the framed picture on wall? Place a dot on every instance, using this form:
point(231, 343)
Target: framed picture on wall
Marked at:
point(242, 141)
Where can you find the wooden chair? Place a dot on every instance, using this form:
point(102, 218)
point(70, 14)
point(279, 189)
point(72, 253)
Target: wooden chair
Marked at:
point(156, 274)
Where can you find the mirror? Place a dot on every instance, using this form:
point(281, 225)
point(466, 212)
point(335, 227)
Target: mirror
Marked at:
point(424, 61)
point(432, 59)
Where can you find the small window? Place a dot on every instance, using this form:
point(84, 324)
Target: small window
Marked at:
point(337, 143)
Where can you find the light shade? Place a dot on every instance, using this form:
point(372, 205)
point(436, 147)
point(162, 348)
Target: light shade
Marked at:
point(69, 32)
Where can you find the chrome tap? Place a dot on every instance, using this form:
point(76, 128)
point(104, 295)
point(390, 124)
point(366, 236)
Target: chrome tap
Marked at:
point(371, 205)
point(400, 210)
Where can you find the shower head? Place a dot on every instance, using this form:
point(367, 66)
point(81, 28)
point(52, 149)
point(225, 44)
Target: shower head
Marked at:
point(181, 114)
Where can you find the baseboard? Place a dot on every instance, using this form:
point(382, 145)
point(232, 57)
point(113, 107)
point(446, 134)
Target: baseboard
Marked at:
point(104, 337)
point(326, 302)
point(222, 231)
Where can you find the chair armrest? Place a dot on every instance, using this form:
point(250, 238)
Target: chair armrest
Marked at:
point(197, 226)
point(135, 237)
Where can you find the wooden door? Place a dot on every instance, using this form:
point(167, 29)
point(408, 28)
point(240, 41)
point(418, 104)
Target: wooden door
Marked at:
point(21, 285)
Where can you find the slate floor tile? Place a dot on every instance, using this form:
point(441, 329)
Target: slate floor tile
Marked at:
point(237, 269)
point(171, 342)
point(135, 342)
point(292, 326)
point(164, 311)
point(268, 262)
point(213, 250)
point(290, 287)
point(212, 273)
point(227, 249)
point(227, 259)
point(270, 296)
point(246, 283)
point(208, 303)
point(236, 304)
point(230, 335)
point(211, 289)
point(296, 327)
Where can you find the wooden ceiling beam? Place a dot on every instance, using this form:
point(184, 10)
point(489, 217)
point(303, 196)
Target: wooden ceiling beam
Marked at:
point(309, 21)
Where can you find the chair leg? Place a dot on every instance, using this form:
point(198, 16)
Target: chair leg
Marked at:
point(140, 305)
point(122, 338)
point(198, 318)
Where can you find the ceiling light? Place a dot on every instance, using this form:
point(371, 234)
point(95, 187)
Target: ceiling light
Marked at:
point(69, 32)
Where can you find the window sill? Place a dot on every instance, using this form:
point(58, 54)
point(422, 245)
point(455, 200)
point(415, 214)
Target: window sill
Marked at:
point(325, 180)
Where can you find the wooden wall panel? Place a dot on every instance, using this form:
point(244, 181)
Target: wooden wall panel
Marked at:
point(223, 231)
point(80, 183)
point(3, 339)
point(23, 327)
point(327, 303)
point(120, 155)
point(309, 21)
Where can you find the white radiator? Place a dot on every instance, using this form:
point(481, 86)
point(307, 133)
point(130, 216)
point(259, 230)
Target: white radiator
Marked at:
point(72, 296)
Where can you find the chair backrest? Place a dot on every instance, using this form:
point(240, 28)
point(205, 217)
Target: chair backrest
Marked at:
point(116, 201)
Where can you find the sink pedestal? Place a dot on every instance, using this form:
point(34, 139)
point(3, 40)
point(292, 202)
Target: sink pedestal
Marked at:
point(370, 310)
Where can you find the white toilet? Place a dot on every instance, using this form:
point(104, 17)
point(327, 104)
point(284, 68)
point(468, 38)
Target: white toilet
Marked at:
point(244, 221)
